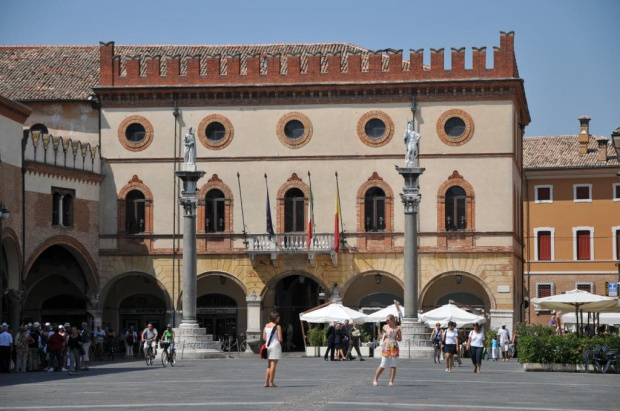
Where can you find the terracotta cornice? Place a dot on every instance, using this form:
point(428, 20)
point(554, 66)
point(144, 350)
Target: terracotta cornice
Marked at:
point(64, 173)
point(13, 110)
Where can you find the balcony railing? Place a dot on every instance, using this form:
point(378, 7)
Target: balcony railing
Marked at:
point(291, 244)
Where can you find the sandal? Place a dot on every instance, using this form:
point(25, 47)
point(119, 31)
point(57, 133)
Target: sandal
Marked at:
point(375, 383)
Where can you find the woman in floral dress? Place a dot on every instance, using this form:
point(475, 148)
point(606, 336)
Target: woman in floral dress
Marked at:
point(391, 336)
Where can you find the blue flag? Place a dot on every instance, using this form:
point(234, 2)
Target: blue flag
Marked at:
point(269, 221)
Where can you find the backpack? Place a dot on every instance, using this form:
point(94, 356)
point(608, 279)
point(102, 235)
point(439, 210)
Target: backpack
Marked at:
point(129, 339)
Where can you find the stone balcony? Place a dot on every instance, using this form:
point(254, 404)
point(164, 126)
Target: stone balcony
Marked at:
point(291, 244)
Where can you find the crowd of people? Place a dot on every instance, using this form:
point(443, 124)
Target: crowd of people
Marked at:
point(342, 339)
point(65, 348)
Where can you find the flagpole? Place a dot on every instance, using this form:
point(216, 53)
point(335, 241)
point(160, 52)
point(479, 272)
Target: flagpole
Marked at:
point(269, 229)
point(245, 234)
point(340, 211)
point(311, 225)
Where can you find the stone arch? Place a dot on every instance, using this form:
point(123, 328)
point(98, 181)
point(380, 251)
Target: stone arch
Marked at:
point(13, 262)
point(79, 252)
point(135, 184)
point(293, 182)
point(363, 284)
point(215, 183)
point(456, 179)
point(466, 276)
point(269, 284)
point(108, 286)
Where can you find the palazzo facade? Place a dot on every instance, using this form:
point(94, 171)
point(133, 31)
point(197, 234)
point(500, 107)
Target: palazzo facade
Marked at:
point(103, 228)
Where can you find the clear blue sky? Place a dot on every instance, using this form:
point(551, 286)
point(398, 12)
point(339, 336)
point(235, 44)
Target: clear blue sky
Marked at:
point(568, 51)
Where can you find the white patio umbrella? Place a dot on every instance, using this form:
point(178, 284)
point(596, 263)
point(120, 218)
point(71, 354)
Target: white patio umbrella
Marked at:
point(451, 312)
point(379, 316)
point(577, 300)
point(332, 312)
point(605, 318)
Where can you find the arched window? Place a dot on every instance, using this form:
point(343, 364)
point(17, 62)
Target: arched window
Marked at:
point(294, 207)
point(374, 210)
point(56, 204)
point(39, 127)
point(455, 209)
point(135, 212)
point(215, 219)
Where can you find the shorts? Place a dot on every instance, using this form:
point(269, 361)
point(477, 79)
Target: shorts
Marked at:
point(504, 346)
point(449, 348)
point(388, 362)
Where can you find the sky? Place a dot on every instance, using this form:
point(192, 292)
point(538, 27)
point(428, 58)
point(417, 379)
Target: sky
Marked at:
point(568, 51)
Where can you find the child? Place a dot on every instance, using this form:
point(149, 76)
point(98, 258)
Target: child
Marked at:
point(495, 348)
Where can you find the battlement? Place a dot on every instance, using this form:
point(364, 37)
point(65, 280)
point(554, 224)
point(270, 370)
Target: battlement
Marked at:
point(301, 68)
point(61, 152)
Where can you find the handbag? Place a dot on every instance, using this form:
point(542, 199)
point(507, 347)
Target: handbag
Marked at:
point(264, 353)
point(81, 350)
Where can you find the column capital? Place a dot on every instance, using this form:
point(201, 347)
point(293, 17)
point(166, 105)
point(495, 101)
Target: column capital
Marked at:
point(253, 299)
point(15, 295)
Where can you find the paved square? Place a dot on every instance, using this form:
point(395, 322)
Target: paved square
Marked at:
point(307, 384)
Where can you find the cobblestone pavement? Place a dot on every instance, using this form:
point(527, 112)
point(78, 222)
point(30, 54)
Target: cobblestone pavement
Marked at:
point(307, 384)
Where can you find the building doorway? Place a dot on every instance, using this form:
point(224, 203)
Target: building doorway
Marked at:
point(218, 313)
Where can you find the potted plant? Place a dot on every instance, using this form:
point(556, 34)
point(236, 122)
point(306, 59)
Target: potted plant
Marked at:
point(315, 337)
point(364, 339)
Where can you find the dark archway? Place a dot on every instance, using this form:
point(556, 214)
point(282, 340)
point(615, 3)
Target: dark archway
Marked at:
point(219, 315)
point(462, 288)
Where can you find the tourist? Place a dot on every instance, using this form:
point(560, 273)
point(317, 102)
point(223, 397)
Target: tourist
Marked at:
point(514, 344)
point(22, 344)
point(345, 336)
point(338, 342)
point(274, 347)
point(391, 336)
point(75, 346)
point(99, 335)
point(354, 342)
point(436, 340)
point(149, 335)
point(289, 338)
point(504, 342)
point(45, 338)
point(475, 346)
point(56, 347)
point(331, 333)
point(169, 336)
point(34, 362)
point(494, 348)
point(86, 338)
point(131, 336)
point(62, 332)
point(450, 343)
point(6, 344)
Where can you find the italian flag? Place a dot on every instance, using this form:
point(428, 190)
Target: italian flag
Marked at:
point(337, 222)
point(310, 216)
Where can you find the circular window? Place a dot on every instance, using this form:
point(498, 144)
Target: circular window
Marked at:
point(215, 132)
point(455, 127)
point(294, 130)
point(375, 128)
point(135, 133)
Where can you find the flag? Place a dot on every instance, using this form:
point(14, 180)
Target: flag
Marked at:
point(310, 215)
point(269, 221)
point(337, 222)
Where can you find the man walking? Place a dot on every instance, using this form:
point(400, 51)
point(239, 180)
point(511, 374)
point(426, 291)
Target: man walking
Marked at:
point(354, 342)
point(331, 334)
point(504, 341)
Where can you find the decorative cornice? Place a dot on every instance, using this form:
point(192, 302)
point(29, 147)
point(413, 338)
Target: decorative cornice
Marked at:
point(63, 173)
point(13, 110)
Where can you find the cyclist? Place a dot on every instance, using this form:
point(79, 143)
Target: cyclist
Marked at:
point(149, 335)
point(168, 335)
point(436, 336)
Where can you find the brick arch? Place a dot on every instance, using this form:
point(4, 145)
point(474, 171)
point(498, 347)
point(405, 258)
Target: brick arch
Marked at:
point(215, 183)
point(121, 212)
point(456, 179)
point(293, 182)
point(10, 244)
point(490, 297)
point(81, 254)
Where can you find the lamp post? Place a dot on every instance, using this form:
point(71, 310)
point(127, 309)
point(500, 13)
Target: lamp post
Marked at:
point(4, 215)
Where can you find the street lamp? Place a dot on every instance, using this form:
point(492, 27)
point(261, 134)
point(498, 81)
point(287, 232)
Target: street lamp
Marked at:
point(4, 215)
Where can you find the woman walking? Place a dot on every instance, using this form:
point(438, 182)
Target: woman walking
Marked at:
point(74, 343)
point(391, 336)
point(475, 345)
point(338, 343)
point(274, 347)
point(450, 342)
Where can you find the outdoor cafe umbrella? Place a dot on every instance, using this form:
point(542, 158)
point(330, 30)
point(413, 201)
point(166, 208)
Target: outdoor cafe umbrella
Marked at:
point(605, 318)
point(451, 312)
point(578, 300)
point(332, 312)
point(379, 316)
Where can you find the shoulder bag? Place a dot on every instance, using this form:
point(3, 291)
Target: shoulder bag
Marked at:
point(264, 354)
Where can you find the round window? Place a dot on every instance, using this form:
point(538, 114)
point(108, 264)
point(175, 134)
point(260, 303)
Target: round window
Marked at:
point(215, 131)
point(294, 129)
point(135, 132)
point(375, 128)
point(455, 127)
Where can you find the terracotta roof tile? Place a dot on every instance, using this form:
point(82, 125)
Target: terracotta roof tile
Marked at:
point(563, 152)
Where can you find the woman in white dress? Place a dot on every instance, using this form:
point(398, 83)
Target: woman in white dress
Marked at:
point(274, 349)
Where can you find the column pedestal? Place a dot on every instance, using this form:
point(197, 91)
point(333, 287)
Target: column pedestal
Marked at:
point(254, 331)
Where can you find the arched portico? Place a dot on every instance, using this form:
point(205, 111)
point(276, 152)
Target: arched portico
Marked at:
point(371, 290)
point(461, 287)
point(10, 276)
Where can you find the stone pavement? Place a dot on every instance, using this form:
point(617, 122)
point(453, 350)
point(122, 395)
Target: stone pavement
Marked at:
point(307, 384)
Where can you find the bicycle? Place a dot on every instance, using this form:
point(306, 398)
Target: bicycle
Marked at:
point(229, 343)
point(437, 352)
point(167, 358)
point(150, 353)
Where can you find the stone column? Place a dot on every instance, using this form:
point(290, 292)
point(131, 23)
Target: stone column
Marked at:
point(15, 307)
point(253, 333)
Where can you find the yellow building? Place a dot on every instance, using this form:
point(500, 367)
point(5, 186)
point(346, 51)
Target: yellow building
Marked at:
point(299, 114)
point(571, 214)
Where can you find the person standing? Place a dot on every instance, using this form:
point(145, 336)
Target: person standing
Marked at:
point(436, 340)
point(86, 338)
point(131, 336)
point(345, 336)
point(391, 336)
point(475, 346)
point(274, 348)
point(22, 345)
point(289, 338)
point(450, 343)
point(338, 342)
point(494, 348)
point(75, 346)
point(6, 344)
point(354, 342)
point(504, 342)
point(331, 334)
point(34, 363)
point(55, 347)
point(99, 339)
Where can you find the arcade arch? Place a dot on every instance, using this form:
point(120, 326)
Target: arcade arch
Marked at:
point(372, 290)
point(461, 287)
point(9, 272)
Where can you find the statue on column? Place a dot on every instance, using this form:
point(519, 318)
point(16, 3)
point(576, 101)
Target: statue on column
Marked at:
point(190, 148)
point(412, 142)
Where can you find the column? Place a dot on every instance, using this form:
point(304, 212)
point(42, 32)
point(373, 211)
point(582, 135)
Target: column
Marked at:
point(253, 333)
point(15, 307)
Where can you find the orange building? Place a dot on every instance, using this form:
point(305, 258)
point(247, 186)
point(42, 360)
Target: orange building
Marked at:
point(571, 215)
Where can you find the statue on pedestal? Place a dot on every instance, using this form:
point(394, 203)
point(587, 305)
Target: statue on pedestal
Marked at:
point(412, 142)
point(190, 147)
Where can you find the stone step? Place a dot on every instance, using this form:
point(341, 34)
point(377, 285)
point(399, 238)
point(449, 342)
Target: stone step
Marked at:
point(199, 354)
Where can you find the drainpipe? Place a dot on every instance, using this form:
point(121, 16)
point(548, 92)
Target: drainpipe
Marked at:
point(175, 113)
